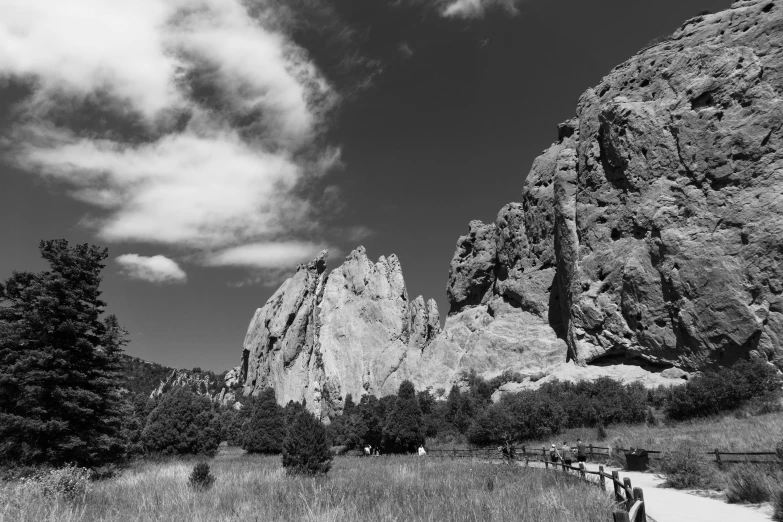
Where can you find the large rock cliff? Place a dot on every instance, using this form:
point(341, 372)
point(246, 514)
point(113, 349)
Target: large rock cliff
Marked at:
point(650, 234)
point(321, 338)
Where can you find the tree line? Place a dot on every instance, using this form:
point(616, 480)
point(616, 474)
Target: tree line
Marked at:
point(63, 400)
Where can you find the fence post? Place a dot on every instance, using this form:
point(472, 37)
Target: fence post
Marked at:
point(546, 465)
point(591, 451)
point(615, 480)
point(621, 516)
point(717, 457)
point(543, 453)
point(628, 493)
point(601, 478)
point(641, 515)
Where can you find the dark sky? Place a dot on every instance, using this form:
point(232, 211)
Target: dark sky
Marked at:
point(446, 131)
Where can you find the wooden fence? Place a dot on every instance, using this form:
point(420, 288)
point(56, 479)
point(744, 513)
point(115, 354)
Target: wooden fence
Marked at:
point(599, 453)
point(630, 500)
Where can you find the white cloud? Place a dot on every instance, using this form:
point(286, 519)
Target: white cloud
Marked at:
point(476, 8)
point(155, 269)
point(269, 255)
point(226, 114)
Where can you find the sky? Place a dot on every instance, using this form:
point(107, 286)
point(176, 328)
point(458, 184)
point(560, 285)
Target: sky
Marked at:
point(213, 145)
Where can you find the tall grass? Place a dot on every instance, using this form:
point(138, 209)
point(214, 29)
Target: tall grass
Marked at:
point(357, 489)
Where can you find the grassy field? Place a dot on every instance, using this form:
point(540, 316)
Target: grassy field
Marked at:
point(727, 433)
point(250, 488)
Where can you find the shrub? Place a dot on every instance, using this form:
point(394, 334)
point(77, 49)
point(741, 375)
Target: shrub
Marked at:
point(265, 427)
point(201, 478)
point(600, 432)
point(685, 469)
point(519, 416)
point(724, 389)
point(404, 428)
point(69, 483)
point(746, 485)
point(777, 503)
point(182, 423)
point(305, 447)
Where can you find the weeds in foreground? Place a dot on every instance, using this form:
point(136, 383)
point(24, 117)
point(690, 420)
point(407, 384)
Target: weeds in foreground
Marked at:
point(686, 468)
point(356, 489)
point(777, 503)
point(747, 485)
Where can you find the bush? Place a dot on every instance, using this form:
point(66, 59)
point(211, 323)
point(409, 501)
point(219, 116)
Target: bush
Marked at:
point(265, 427)
point(200, 478)
point(404, 428)
point(516, 417)
point(69, 483)
point(600, 432)
point(747, 486)
point(777, 503)
point(686, 469)
point(305, 447)
point(724, 389)
point(182, 423)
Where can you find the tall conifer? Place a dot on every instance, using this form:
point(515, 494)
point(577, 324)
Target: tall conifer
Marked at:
point(265, 427)
point(59, 399)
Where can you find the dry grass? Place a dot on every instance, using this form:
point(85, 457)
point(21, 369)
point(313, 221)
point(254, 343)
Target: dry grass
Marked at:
point(727, 433)
point(252, 488)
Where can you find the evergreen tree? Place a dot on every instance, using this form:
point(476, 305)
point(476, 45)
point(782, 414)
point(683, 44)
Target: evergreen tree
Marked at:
point(459, 412)
point(59, 363)
point(265, 427)
point(182, 423)
point(404, 428)
point(349, 406)
point(305, 447)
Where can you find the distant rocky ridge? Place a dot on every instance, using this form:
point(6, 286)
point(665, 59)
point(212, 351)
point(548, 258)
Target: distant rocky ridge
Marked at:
point(648, 237)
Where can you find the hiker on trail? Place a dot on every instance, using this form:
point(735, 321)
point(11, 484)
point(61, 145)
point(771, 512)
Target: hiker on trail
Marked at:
point(581, 455)
point(367, 451)
point(566, 454)
point(554, 456)
point(421, 451)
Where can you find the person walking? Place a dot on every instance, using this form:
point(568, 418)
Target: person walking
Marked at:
point(553, 454)
point(581, 454)
point(422, 452)
point(566, 454)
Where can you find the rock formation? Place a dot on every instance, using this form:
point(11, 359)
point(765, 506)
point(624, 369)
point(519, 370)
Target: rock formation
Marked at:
point(649, 234)
point(321, 338)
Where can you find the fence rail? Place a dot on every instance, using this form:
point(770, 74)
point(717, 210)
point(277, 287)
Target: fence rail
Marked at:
point(598, 452)
point(629, 500)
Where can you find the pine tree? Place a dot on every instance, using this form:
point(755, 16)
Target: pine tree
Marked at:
point(404, 428)
point(265, 427)
point(182, 423)
point(305, 447)
point(59, 399)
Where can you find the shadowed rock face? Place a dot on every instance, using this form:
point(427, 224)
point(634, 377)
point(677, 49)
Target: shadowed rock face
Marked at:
point(657, 218)
point(650, 233)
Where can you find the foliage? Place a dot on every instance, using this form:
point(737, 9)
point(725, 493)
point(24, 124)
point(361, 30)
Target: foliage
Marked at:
point(201, 478)
point(142, 377)
point(723, 389)
point(600, 432)
point(524, 415)
point(231, 422)
point(404, 428)
point(182, 423)
point(746, 485)
point(357, 490)
point(59, 363)
point(686, 468)
point(777, 503)
point(264, 429)
point(69, 483)
point(305, 447)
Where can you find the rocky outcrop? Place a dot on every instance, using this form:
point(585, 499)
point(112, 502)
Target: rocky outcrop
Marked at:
point(651, 232)
point(650, 235)
point(220, 391)
point(319, 338)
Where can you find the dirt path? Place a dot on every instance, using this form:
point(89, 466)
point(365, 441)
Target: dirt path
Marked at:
point(673, 505)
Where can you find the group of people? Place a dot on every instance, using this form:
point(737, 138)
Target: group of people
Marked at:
point(370, 452)
point(566, 453)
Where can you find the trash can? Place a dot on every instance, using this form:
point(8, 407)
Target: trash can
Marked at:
point(637, 460)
